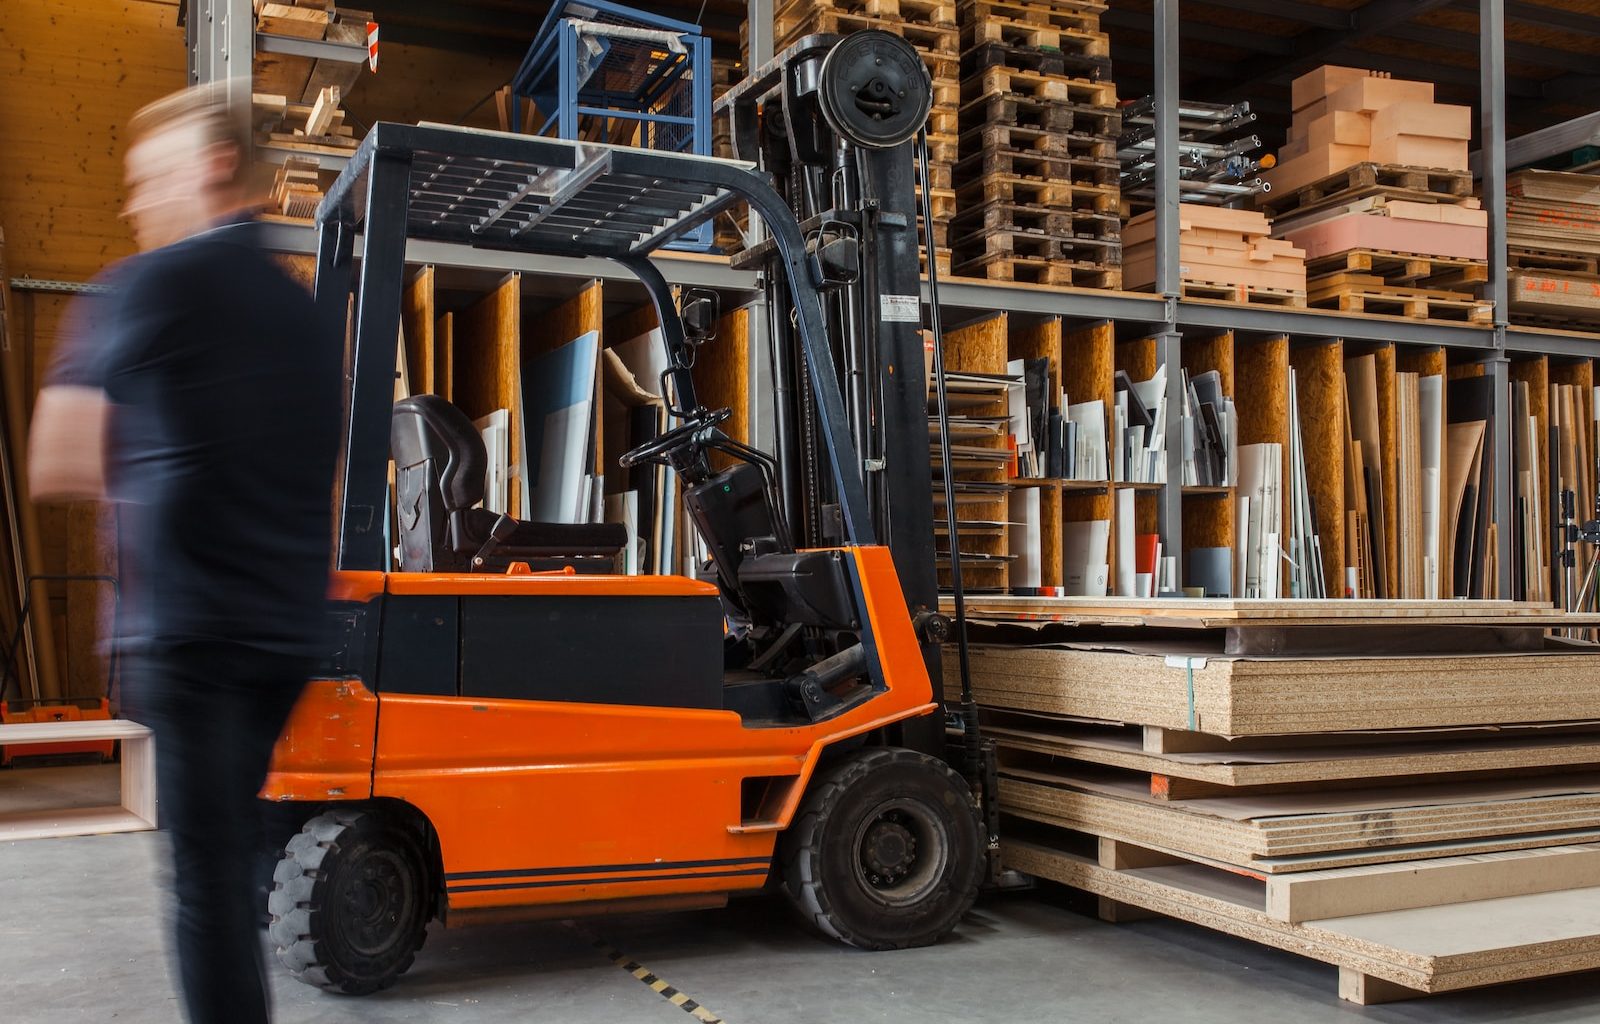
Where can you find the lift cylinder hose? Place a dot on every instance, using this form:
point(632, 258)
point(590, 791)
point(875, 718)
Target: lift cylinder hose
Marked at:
point(810, 688)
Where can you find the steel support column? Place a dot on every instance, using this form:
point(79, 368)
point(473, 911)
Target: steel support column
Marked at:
point(1492, 65)
point(1169, 282)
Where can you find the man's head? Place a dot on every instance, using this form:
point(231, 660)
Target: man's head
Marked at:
point(185, 166)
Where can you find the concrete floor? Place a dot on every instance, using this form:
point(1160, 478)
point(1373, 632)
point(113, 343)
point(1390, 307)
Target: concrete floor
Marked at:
point(81, 937)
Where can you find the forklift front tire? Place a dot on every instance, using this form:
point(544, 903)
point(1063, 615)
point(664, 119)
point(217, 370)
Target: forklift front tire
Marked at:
point(886, 851)
point(350, 903)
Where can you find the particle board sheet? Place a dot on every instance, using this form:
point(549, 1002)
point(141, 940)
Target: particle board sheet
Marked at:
point(1199, 691)
point(1288, 831)
point(1372, 756)
point(1426, 950)
point(1215, 612)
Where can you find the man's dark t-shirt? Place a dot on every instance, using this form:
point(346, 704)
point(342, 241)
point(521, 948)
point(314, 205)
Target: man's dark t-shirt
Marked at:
point(225, 389)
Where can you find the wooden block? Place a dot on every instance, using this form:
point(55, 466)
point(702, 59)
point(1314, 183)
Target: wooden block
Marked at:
point(1340, 128)
point(1438, 120)
point(1373, 94)
point(1316, 164)
point(1363, 231)
point(323, 110)
point(1116, 912)
point(1324, 81)
point(1420, 151)
point(1365, 990)
point(1293, 149)
point(288, 20)
point(138, 783)
point(1372, 889)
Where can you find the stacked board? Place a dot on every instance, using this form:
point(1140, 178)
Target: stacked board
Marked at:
point(1425, 820)
point(1373, 185)
point(1037, 182)
point(296, 102)
point(930, 27)
point(1223, 254)
point(1553, 238)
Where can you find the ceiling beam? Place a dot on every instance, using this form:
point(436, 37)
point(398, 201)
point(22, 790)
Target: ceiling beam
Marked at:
point(1549, 17)
point(1201, 31)
point(1467, 42)
point(1312, 48)
point(1288, 10)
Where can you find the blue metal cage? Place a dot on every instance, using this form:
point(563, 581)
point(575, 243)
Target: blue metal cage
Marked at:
point(602, 72)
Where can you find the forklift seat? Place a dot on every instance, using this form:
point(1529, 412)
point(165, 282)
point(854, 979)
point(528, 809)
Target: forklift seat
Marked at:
point(440, 463)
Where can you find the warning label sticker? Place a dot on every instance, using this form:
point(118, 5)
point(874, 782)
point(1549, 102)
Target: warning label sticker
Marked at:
point(900, 309)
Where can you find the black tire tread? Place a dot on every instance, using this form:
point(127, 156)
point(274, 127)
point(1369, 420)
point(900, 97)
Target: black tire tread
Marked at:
point(295, 892)
point(808, 893)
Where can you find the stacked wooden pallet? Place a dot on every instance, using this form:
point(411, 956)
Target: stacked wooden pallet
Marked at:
point(1426, 818)
point(1223, 254)
point(1037, 182)
point(1553, 238)
point(1373, 185)
point(928, 25)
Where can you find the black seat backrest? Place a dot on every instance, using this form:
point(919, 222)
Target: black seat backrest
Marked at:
point(428, 427)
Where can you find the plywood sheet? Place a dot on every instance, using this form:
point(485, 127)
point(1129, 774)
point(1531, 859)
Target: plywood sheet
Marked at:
point(417, 321)
point(488, 360)
point(1268, 696)
point(1319, 378)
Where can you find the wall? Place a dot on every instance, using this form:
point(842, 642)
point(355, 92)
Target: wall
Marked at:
point(71, 73)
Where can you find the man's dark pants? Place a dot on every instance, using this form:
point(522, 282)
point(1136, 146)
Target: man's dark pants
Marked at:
point(217, 709)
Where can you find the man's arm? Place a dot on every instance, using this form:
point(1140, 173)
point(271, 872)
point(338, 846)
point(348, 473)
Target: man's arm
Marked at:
point(66, 444)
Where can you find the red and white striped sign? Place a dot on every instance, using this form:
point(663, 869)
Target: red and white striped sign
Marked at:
point(372, 46)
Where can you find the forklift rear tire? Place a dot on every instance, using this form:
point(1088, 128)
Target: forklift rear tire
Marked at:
point(886, 852)
point(350, 902)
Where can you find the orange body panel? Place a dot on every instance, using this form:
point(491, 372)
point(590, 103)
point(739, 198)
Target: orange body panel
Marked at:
point(545, 802)
point(326, 750)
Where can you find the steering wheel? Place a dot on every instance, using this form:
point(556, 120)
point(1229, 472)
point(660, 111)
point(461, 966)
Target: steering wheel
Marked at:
point(690, 431)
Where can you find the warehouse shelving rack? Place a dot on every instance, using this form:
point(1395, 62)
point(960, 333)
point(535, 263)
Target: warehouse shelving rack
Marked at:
point(222, 28)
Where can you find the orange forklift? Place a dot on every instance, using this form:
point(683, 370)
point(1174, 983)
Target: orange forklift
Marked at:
point(503, 727)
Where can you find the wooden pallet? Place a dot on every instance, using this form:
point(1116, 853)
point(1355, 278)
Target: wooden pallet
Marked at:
point(1446, 273)
point(1364, 293)
point(943, 149)
point(1011, 82)
point(1030, 163)
point(1556, 296)
point(942, 259)
point(1249, 294)
point(1430, 941)
point(1033, 270)
point(1054, 142)
point(1038, 61)
point(1540, 259)
point(803, 18)
point(941, 174)
point(1052, 115)
point(1051, 220)
point(1027, 191)
point(917, 12)
point(1421, 184)
point(996, 28)
point(1081, 249)
point(1082, 15)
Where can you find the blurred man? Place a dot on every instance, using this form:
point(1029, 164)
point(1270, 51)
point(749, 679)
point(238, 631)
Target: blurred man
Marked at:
point(204, 395)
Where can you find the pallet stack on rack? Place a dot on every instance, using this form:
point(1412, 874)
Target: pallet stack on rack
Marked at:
point(296, 101)
point(1553, 242)
point(1037, 182)
point(1426, 823)
point(1373, 185)
point(928, 25)
point(1222, 254)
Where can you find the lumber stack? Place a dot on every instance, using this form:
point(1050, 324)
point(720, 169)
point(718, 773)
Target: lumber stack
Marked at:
point(930, 27)
point(1553, 241)
point(1353, 809)
point(291, 137)
point(1223, 254)
point(1373, 185)
point(296, 102)
point(1038, 179)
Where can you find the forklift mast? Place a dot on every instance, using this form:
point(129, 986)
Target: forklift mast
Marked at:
point(834, 121)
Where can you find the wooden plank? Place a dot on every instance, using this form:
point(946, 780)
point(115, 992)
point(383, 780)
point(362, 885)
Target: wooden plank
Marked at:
point(1214, 612)
point(417, 320)
point(76, 821)
point(1254, 697)
point(1372, 889)
point(444, 365)
point(488, 367)
point(320, 119)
